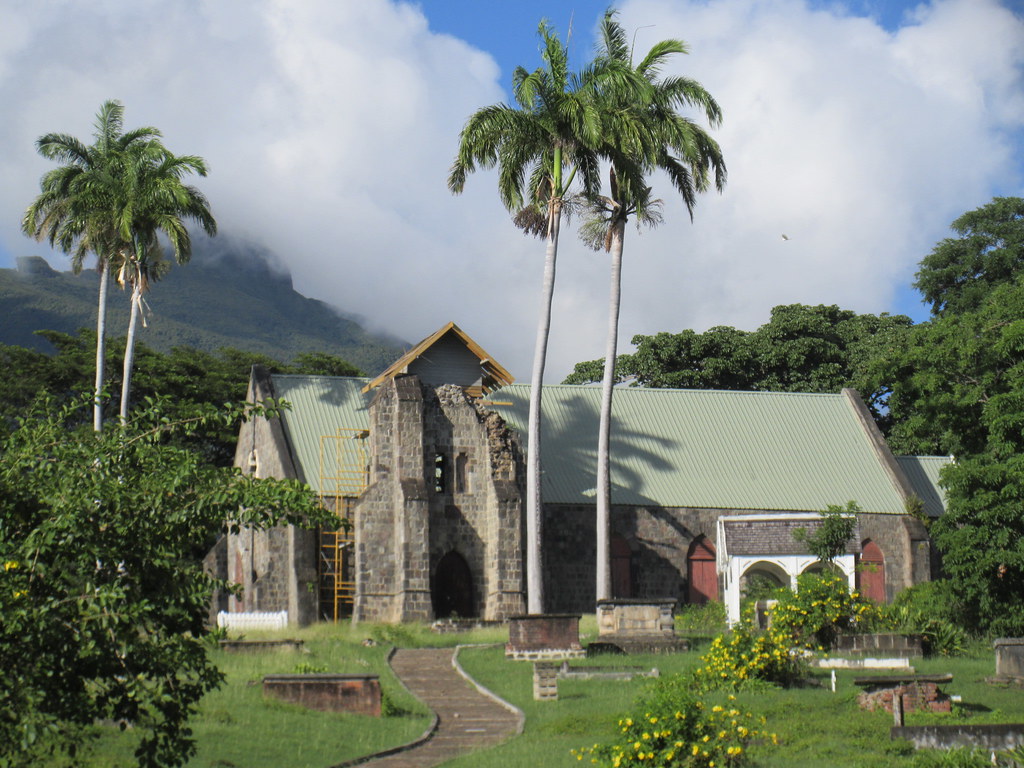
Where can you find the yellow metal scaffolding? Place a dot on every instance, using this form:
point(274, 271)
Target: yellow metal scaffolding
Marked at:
point(343, 477)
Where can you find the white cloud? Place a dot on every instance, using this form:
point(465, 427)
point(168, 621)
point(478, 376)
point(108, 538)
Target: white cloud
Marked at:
point(329, 129)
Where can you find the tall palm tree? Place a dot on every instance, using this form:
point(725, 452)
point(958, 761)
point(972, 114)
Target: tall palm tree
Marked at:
point(642, 131)
point(547, 136)
point(153, 202)
point(74, 211)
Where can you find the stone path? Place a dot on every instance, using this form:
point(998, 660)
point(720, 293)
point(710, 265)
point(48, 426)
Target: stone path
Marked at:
point(468, 720)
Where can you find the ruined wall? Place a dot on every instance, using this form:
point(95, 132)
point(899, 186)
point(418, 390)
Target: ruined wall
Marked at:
point(277, 567)
point(443, 479)
point(660, 539)
point(391, 518)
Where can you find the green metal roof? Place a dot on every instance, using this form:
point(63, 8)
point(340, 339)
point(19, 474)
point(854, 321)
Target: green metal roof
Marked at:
point(923, 474)
point(670, 447)
point(699, 448)
point(320, 407)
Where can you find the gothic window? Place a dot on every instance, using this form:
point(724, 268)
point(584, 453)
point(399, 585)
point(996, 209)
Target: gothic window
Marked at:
point(440, 471)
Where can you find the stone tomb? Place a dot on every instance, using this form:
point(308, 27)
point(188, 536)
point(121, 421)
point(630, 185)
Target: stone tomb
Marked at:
point(636, 626)
point(1009, 660)
point(544, 637)
point(359, 694)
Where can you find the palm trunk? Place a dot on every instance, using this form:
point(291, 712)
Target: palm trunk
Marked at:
point(604, 487)
point(534, 500)
point(101, 348)
point(129, 349)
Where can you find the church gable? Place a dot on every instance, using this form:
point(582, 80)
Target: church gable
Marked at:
point(448, 356)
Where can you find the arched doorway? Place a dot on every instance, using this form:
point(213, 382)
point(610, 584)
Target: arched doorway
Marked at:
point(622, 567)
point(701, 574)
point(871, 572)
point(452, 591)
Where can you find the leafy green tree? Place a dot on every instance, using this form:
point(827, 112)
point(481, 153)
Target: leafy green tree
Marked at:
point(960, 272)
point(103, 597)
point(828, 541)
point(800, 349)
point(151, 200)
point(543, 142)
point(73, 210)
point(960, 391)
point(323, 364)
point(641, 131)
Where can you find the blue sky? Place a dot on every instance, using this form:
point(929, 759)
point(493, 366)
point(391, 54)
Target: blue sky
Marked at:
point(859, 128)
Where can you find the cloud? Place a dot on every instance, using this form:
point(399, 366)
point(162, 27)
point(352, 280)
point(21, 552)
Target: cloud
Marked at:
point(329, 129)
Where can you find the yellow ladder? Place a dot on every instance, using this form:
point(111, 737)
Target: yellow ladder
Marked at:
point(343, 477)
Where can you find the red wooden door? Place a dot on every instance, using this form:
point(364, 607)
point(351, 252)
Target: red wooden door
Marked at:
point(871, 573)
point(700, 571)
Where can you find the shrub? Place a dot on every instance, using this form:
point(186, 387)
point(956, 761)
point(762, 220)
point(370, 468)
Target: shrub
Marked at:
point(746, 655)
point(931, 610)
point(673, 728)
point(706, 619)
point(822, 608)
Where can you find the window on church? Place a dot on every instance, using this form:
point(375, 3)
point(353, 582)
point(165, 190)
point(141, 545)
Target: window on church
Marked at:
point(440, 471)
point(462, 484)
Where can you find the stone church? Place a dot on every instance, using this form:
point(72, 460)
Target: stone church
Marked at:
point(425, 462)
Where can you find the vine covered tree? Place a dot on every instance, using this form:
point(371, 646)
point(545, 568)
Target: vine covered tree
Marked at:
point(540, 146)
point(642, 131)
point(74, 210)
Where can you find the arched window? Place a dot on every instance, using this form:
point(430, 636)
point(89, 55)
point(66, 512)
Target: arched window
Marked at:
point(701, 575)
point(871, 572)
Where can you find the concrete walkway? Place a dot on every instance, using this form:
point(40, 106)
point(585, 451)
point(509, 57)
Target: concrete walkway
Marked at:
point(467, 719)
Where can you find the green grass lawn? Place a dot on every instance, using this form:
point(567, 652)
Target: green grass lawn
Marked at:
point(815, 726)
point(238, 728)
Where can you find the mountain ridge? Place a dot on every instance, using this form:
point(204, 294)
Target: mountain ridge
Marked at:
point(230, 294)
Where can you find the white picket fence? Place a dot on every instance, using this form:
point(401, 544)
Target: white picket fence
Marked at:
point(252, 620)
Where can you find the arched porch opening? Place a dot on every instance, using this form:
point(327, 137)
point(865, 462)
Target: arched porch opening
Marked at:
point(762, 577)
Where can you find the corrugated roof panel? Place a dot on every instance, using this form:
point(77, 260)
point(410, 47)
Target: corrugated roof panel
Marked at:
point(699, 448)
point(923, 474)
point(320, 407)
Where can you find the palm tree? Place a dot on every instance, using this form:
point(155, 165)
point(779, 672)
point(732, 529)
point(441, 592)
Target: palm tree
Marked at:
point(73, 211)
point(642, 131)
point(152, 201)
point(549, 137)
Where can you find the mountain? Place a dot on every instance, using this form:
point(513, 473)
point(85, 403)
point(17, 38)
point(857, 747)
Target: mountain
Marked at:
point(229, 295)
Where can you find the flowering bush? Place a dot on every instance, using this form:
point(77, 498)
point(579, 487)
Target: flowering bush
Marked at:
point(820, 609)
point(676, 729)
point(747, 655)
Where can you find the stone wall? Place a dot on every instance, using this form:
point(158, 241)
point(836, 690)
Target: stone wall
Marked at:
point(276, 568)
point(445, 478)
point(660, 539)
point(905, 546)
